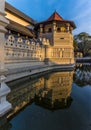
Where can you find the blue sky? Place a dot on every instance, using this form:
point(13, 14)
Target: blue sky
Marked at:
point(78, 11)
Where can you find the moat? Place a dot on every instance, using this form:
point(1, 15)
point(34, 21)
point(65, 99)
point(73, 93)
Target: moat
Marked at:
point(59, 100)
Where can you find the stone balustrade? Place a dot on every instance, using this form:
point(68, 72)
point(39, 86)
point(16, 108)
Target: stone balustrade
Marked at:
point(20, 48)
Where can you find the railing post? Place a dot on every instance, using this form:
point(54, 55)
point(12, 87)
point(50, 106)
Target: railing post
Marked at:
point(5, 106)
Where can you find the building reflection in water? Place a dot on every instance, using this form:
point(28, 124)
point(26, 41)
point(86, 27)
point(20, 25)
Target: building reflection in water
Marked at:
point(51, 91)
point(56, 91)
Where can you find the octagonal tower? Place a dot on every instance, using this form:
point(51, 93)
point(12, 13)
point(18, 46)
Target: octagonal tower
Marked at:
point(59, 33)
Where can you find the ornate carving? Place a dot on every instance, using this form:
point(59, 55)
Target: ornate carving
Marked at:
point(29, 49)
point(11, 39)
point(20, 40)
point(27, 42)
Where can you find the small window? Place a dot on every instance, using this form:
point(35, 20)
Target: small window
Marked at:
point(61, 38)
point(63, 29)
point(58, 30)
point(49, 30)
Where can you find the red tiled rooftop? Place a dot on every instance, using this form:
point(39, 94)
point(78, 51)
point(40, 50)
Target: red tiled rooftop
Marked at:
point(55, 16)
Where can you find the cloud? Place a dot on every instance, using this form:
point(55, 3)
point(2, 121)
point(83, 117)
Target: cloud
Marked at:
point(83, 9)
point(80, 3)
point(77, 10)
point(82, 16)
point(83, 27)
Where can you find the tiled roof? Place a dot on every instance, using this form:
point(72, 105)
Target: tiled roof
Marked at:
point(55, 16)
point(19, 28)
point(18, 13)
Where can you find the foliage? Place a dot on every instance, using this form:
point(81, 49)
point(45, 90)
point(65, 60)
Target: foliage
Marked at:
point(75, 44)
point(83, 43)
point(82, 75)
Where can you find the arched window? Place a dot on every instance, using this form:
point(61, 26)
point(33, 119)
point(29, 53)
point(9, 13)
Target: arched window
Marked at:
point(49, 30)
point(63, 29)
point(58, 29)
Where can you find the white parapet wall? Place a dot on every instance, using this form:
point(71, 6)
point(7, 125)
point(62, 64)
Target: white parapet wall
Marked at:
point(22, 59)
point(5, 106)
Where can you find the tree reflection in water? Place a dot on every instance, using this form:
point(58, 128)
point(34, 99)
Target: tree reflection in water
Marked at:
point(82, 75)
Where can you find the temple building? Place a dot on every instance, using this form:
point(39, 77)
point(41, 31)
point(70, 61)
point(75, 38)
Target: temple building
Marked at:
point(28, 47)
point(59, 33)
point(50, 41)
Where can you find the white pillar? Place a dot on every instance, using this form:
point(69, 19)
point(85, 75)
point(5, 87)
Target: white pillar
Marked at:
point(54, 27)
point(68, 27)
point(5, 106)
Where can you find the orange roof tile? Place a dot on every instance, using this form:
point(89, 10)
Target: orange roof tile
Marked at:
point(55, 16)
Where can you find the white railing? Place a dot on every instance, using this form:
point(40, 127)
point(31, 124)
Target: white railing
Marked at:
point(23, 49)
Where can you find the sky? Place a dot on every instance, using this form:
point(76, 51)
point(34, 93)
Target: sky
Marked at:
point(78, 11)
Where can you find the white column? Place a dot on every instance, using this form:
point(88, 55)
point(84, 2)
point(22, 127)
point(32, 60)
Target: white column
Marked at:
point(68, 27)
point(41, 31)
point(5, 106)
point(54, 27)
point(41, 28)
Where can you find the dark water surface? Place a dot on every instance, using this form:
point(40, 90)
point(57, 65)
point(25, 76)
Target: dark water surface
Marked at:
point(56, 101)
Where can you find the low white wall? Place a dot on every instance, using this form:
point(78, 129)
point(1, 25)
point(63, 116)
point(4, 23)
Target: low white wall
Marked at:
point(20, 72)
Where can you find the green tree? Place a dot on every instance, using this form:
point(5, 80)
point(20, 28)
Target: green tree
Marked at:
point(75, 44)
point(84, 44)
